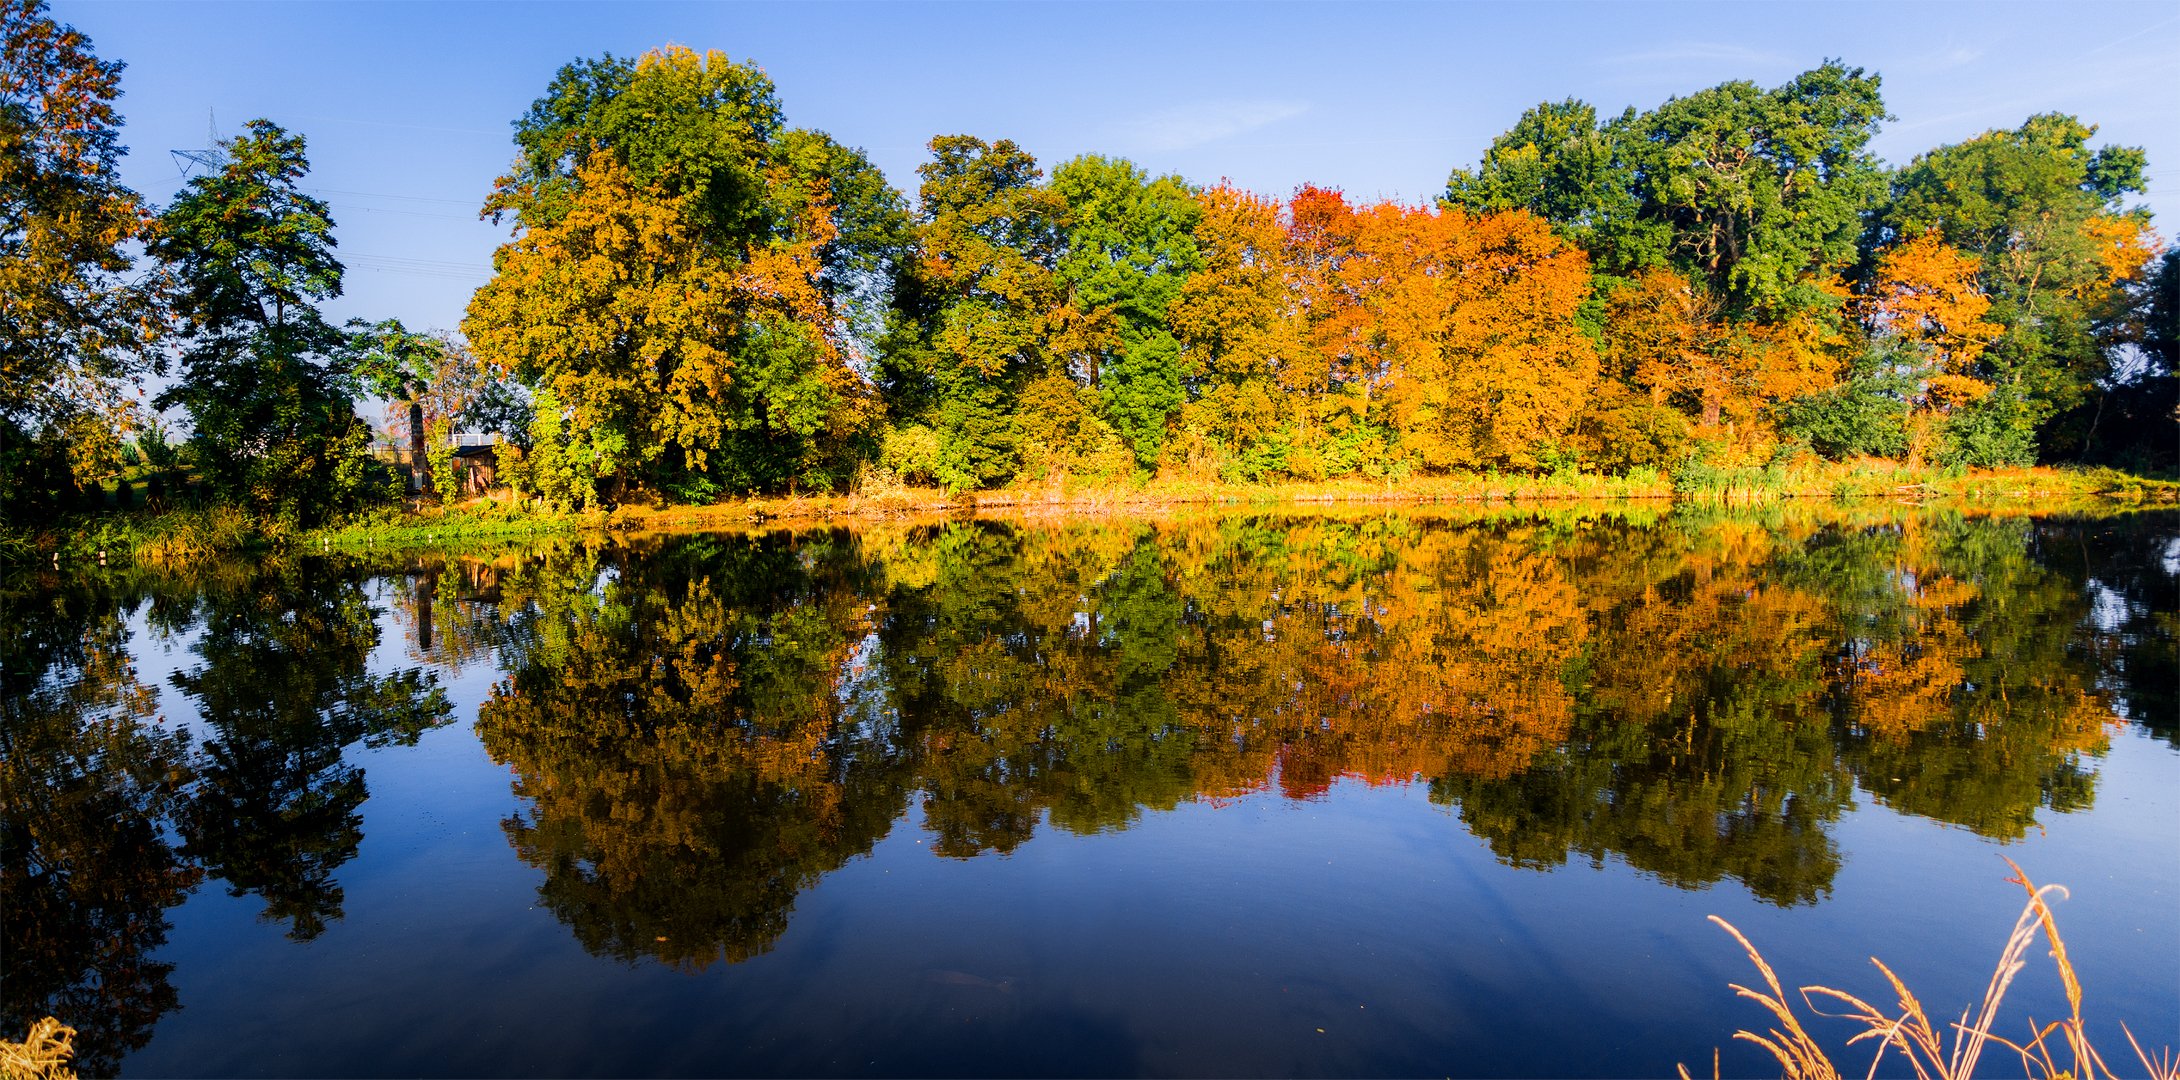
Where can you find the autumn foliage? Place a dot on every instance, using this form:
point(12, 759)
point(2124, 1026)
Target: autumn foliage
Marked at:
point(698, 300)
point(1100, 323)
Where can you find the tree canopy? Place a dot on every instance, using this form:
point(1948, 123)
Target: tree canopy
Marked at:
point(700, 299)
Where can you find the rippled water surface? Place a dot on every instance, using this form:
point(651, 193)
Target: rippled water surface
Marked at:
point(1382, 794)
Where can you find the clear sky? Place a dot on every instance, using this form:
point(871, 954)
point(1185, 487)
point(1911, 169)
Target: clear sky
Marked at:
point(407, 106)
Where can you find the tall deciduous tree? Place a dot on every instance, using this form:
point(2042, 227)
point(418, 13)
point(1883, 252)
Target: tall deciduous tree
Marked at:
point(72, 319)
point(2045, 217)
point(978, 304)
point(657, 356)
point(691, 286)
point(266, 380)
point(1242, 330)
point(1757, 195)
point(1129, 246)
point(1468, 343)
point(1764, 191)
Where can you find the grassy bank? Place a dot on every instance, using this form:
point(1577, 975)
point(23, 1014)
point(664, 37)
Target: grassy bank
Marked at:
point(178, 536)
point(1936, 1050)
point(1846, 481)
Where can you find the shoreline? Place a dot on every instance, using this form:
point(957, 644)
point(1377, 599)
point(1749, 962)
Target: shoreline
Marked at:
point(183, 535)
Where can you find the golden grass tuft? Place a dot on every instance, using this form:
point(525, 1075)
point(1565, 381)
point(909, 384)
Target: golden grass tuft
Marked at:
point(1910, 1032)
point(42, 1055)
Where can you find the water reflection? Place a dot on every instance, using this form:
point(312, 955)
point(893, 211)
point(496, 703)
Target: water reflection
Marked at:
point(114, 814)
point(90, 784)
point(282, 692)
point(701, 728)
point(677, 726)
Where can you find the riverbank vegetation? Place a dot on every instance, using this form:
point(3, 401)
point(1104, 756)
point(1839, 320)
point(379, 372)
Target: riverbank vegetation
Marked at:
point(175, 536)
point(699, 304)
point(2059, 1048)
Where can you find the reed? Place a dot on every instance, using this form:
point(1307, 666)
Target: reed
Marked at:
point(42, 1055)
point(2059, 1048)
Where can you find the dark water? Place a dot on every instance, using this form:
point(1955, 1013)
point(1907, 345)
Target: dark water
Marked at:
point(1381, 795)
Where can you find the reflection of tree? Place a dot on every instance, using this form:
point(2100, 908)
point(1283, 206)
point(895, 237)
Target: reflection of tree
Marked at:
point(449, 610)
point(2135, 584)
point(1086, 674)
point(284, 691)
point(1968, 672)
point(687, 748)
point(1031, 679)
point(1698, 697)
point(88, 782)
point(1697, 753)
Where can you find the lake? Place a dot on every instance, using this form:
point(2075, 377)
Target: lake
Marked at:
point(1266, 792)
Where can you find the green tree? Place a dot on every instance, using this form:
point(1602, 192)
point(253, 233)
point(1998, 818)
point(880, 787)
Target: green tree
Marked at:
point(1763, 190)
point(266, 380)
point(976, 307)
point(872, 231)
point(690, 287)
point(73, 320)
point(2045, 217)
point(1129, 246)
point(695, 125)
point(1558, 163)
point(1757, 194)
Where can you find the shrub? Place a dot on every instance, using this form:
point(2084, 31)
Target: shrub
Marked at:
point(1862, 417)
point(1995, 432)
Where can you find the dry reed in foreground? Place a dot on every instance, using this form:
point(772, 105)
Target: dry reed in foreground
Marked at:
point(42, 1055)
point(1802, 1057)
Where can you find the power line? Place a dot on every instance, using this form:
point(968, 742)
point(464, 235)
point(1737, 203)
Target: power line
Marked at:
point(385, 195)
point(348, 207)
point(402, 264)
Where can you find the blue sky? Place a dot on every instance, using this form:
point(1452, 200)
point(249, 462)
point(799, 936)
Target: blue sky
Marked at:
point(407, 105)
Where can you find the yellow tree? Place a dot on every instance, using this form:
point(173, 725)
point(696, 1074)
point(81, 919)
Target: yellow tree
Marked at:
point(1239, 323)
point(1469, 332)
point(645, 343)
point(602, 311)
point(1926, 297)
point(72, 324)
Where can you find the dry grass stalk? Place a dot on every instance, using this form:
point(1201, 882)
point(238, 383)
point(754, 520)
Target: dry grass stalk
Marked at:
point(42, 1055)
point(1922, 1043)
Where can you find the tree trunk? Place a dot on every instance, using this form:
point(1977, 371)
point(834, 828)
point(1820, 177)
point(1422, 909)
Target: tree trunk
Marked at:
point(419, 475)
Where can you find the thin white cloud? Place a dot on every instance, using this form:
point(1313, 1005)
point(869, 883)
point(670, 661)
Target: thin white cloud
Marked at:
point(1959, 55)
point(1185, 127)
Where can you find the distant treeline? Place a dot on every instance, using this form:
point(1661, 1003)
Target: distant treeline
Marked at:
point(700, 300)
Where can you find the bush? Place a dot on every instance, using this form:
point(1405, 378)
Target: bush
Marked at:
point(911, 453)
point(1262, 460)
point(1862, 417)
point(1622, 432)
point(1995, 432)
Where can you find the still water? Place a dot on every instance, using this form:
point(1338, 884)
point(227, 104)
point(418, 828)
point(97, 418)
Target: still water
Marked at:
point(1246, 794)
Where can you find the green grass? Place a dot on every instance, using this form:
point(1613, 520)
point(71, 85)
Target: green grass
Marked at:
point(183, 535)
point(435, 527)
